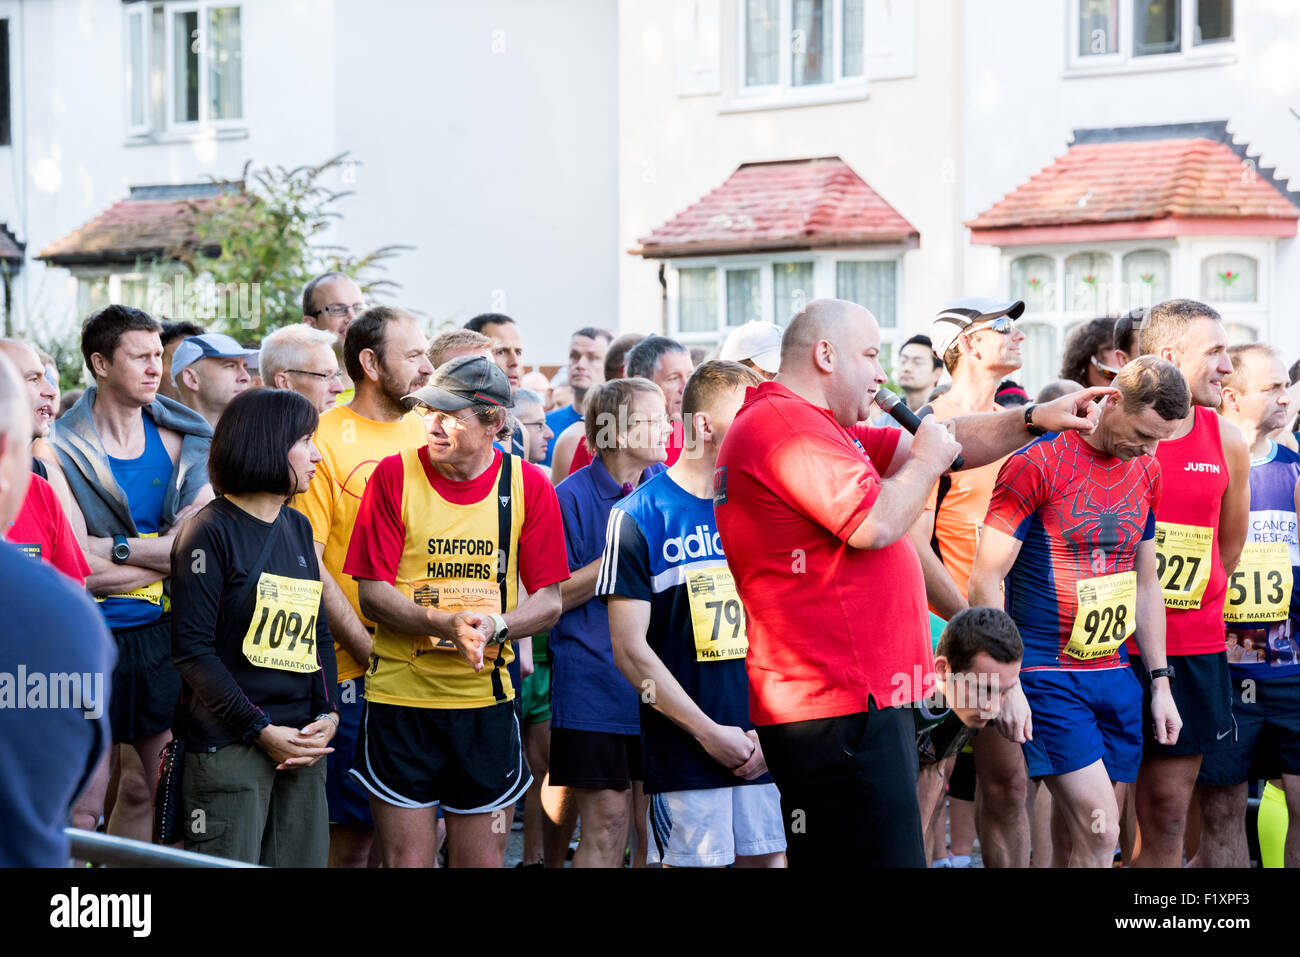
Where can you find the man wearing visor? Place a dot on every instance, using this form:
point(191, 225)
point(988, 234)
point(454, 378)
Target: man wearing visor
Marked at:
point(445, 536)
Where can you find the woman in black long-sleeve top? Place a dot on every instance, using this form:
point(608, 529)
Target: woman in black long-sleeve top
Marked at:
point(257, 662)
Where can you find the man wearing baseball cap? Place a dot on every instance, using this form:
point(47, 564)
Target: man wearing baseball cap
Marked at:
point(980, 345)
point(756, 345)
point(210, 370)
point(445, 536)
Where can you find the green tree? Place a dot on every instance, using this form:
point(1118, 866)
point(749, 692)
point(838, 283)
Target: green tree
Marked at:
point(264, 224)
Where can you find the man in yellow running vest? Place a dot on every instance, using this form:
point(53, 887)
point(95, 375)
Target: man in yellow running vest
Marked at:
point(444, 538)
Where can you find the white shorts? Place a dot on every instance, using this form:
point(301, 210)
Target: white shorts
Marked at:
point(712, 827)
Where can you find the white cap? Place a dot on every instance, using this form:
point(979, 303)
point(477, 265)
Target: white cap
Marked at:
point(759, 342)
point(960, 314)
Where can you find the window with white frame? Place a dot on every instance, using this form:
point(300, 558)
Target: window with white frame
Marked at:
point(711, 297)
point(127, 286)
point(183, 65)
point(1124, 33)
point(789, 44)
point(1064, 287)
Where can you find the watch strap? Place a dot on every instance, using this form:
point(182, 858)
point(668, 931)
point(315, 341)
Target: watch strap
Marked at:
point(1029, 421)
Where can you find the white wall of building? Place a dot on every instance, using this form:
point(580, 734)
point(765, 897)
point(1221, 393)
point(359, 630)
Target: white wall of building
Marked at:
point(484, 132)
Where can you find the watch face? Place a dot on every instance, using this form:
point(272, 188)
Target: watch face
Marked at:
point(121, 552)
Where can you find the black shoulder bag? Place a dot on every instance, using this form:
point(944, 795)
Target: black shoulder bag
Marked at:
point(167, 803)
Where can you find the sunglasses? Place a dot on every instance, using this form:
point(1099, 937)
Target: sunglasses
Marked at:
point(1002, 325)
point(1105, 371)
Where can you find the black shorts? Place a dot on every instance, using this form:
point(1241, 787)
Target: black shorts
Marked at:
point(146, 685)
point(961, 786)
point(468, 760)
point(1203, 693)
point(848, 789)
point(1268, 733)
point(597, 760)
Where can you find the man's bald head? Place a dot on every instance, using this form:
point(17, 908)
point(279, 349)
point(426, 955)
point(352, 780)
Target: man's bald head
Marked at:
point(830, 355)
point(15, 435)
point(831, 320)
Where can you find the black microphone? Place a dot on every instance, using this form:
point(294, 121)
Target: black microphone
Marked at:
point(905, 417)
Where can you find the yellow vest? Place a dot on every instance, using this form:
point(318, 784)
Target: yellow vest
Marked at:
point(450, 561)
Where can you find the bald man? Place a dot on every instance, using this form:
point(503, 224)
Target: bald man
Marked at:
point(813, 508)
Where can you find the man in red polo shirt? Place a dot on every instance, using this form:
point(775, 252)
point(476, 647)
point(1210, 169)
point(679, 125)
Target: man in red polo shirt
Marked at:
point(813, 508)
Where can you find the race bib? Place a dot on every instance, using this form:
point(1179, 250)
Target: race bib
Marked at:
point(717, 617)
point(451, 596)
point(282, 634)
point(1107, 615)
point(1260, 589)
point(1183, 562)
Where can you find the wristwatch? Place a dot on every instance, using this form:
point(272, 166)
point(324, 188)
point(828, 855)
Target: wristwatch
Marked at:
point(121, 550)
point(1165, 672)
point(1029, 421)
point(502, 634)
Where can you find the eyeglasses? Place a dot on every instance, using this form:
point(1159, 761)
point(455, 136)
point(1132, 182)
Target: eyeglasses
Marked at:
point(338, 310)
point(445, 419)
point(1002, 325)
point(337, 375)
point(1105, 371)
point(540, 426)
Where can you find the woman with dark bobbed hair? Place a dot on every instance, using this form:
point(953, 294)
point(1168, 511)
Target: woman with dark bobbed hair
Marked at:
point(1090, 354)
point(253, 647)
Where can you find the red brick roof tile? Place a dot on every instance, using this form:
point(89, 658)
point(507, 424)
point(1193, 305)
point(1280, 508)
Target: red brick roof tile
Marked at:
point(1143, 180)
point(129, 230)
point(793, 204)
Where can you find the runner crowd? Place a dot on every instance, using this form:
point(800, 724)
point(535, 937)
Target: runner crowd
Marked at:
point(355, 597)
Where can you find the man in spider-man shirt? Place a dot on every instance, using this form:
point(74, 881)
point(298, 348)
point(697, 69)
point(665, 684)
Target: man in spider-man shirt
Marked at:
point(1071, 529)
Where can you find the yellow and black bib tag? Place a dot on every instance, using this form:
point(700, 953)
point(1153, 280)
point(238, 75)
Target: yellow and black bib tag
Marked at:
point(1260, 589)
point(1183, 562)
point(450, 597)
point(1106, 616)
point(717, 617)
point(282, 634)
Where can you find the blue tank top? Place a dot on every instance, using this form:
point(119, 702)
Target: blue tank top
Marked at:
point(144, 481)
point(1268, 649)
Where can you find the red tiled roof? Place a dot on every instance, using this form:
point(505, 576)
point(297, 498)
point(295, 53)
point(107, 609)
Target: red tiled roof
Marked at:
point(793, 204)
point(1143, 180)
point(130, 230)
point(11, 250)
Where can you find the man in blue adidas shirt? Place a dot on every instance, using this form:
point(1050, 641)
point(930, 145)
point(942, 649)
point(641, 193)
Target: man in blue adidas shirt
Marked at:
point(678, 634)
point(1260, 616)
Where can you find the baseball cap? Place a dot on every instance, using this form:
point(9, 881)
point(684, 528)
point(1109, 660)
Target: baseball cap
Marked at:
point(465, 381)
point(210, 345)
point(960, 314)
point(760, 342)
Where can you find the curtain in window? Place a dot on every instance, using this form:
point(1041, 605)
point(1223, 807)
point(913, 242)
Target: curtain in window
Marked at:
point(743, 297)
point(810, 43)
point(1213, 21)
point(1098, 23)
point(225, 65)
point(1229, 277)
point(1146, 279)
point(792, 285)
point(1042, 360)
point(185, 66)
point(1033, 279)
point(870, 284)
point(1156, 27)
point(1088, 283)
point(853, 38)
point(137, 76)
point(697, 300)
point(762, 41)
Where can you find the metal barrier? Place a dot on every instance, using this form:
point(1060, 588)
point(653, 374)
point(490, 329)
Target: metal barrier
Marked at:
point(124, 852)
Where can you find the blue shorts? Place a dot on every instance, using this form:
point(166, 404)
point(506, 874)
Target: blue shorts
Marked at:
point(349, 802)
point(1267, 712)
point(1080, 716)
